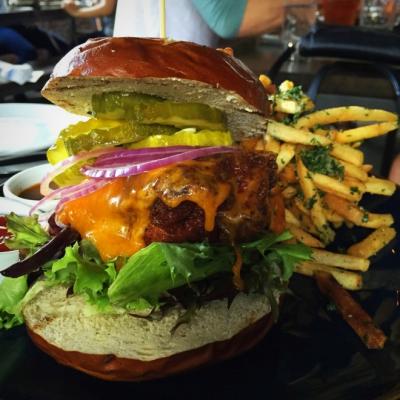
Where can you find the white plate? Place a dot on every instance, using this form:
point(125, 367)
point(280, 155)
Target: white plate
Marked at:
point(28, 127)
point(8, 205)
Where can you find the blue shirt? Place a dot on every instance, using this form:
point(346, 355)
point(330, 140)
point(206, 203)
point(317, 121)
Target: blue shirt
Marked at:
point(224, 17)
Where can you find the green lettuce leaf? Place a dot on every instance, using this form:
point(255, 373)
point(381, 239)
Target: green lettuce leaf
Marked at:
point(272, 250)
point(274, 264)
point(291, 254)
point(163, 266)
point(12, 292)
point(82, 268)
point(27, 233)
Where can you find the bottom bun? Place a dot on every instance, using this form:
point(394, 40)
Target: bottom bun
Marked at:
point(112, 368)
point(120, 346)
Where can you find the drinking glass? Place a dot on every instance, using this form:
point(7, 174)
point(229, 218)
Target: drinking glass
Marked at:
point(378, 14)
point(340, 12)
point(300, 15)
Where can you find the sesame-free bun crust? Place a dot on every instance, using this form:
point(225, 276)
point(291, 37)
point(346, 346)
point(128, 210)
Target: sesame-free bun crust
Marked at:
point(178, 71)
point(112, 368)
point(118, 345)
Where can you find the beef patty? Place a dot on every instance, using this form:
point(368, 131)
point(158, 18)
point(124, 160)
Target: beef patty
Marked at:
point(245, 213)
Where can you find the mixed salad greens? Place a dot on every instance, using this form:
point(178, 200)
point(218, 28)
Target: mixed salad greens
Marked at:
point(142, 281)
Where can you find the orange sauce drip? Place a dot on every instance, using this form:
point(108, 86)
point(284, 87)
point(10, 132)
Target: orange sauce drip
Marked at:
point(115, 217)
point(236, 269)
point(277, 207)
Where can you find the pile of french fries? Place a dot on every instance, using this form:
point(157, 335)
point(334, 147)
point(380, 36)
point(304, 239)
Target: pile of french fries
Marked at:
point(317, 203)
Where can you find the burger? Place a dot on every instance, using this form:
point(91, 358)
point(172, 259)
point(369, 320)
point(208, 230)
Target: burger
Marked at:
point(167, 249)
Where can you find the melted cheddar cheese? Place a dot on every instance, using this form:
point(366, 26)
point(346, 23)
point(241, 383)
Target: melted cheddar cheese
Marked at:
point(115, 217)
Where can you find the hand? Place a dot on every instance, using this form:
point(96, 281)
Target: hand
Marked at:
point(300, 16)
point(71, 7)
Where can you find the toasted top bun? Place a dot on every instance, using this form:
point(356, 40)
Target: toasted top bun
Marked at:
point(178, 71)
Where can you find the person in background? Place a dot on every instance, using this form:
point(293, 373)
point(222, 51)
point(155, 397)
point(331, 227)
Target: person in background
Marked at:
point(241, 18)
point(200, 21)
point(183, 21)
point(20, 44)
point(103, 9)
point(14, 48)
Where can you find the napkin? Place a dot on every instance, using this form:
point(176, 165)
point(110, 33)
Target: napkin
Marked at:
point(18, 73)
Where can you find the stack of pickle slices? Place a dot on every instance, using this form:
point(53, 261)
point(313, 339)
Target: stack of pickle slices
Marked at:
point(137, 120)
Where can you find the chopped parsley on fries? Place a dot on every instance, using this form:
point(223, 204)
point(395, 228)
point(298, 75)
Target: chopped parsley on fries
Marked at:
point(323, 177)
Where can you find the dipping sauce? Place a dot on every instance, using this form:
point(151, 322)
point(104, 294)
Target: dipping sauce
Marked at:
point(32, 193)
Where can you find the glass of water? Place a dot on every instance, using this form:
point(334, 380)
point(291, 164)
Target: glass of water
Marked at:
point(300, 15)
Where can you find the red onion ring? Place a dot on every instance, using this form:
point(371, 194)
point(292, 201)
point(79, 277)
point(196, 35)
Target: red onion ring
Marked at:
point(68, 163)
point(95, 185)
point(148, 151)
point(115, 169)
point(132, 156)
point(69, 191)
point(113, 163)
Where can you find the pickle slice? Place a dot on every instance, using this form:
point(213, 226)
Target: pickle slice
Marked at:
point(58, 151)
point(126, 133)
point(147, 109)
point(96, 133)
point(186, 137)
point(72, 176)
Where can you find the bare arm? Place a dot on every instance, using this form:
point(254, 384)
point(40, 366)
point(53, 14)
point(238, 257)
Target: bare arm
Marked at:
point(261, 16)
point(395, 170)
point(101, 9)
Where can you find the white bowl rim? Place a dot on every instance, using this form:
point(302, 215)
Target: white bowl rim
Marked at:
point(38, 172)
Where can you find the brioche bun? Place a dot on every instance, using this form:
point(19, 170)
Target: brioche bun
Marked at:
point(124, 347)
point(178, 71)
point(116, 344)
